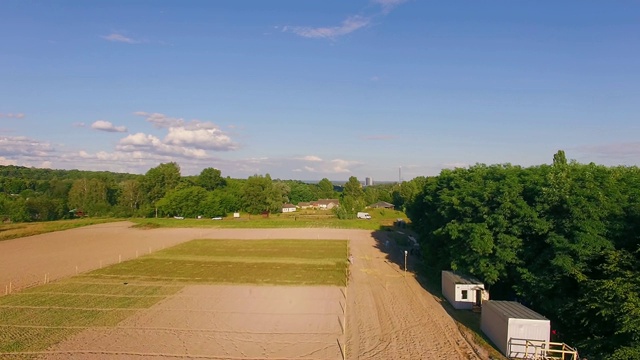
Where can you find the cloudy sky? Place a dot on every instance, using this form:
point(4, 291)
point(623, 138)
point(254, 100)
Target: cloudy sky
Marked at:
point(313, 89)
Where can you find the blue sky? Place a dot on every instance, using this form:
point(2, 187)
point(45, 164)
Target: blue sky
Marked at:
point(313, 89)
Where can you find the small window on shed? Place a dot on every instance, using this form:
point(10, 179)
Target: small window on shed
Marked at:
point(465, 296)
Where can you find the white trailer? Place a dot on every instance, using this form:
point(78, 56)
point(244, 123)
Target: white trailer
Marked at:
point(363, 215)
point(513, 327)
point(463, 292)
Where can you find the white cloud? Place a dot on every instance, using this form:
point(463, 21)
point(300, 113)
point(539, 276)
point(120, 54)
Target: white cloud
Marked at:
point(79, 124)
point(103, 125)
point(349, 25)
point(340, 166)
point(23, 146)
point(388, 5)
point(213, 139)
point(4, 161)
point(314, 164)
point(194, 133)
point(160, 120)
point(116, 37)
point(13, 115)
point(310, 158)
point(151, 144)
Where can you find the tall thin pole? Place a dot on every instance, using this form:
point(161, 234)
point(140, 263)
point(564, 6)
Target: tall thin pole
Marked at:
point(405, 262)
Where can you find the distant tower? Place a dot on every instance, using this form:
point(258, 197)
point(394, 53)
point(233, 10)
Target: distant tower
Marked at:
point(368, 181)
point(400, 174)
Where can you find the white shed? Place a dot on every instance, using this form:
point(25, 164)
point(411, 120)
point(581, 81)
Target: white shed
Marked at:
point(463, 292)
point(288, 208)
point(510, 324)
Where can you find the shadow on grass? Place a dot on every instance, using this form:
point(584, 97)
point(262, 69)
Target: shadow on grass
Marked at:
point(394, 241)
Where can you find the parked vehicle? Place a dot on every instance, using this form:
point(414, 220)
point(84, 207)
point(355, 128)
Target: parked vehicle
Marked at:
point(364, 215)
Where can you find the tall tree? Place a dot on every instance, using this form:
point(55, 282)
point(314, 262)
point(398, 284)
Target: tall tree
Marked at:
point(159, 180)
point(186, 202)
point(211, 179)
point(325, 189)
point(353, 188)
point(90, 196)
point(259, 195)
point(130, 196)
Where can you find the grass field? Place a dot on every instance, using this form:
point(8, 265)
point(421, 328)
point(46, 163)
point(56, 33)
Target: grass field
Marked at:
point(39, 317)
point(274, 262)
point(14, 231)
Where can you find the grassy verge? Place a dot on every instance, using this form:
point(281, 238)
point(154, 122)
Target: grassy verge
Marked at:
point(37, 318)
point(14, 231)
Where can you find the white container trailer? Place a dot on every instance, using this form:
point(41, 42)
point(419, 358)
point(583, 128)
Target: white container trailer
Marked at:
point(510, 325)
point(463, 292)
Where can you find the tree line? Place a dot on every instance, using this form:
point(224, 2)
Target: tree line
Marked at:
point(30, 194)
point(562, 239)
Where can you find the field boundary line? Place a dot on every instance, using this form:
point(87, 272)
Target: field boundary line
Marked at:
point(160, 329)
point(165, 309)
point(140, 354)
point(90, 294)
point(67, 308)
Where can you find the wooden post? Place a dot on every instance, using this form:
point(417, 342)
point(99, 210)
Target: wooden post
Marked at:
point(344, 351)
point(6, 289)
point(76, 269)
point(119, 258)
point(10, 287)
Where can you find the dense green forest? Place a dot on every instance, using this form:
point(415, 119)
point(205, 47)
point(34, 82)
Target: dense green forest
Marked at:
point(30, 194)
point(563, 239)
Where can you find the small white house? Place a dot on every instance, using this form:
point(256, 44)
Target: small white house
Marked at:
point(510, 325)
point(286, 208)
point(463, 292)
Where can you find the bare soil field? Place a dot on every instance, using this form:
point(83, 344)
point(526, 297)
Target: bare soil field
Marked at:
point(389, 314)
point(223, 322)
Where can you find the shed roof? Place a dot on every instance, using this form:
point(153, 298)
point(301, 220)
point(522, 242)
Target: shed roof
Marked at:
point(382, 204)
point(514, 310)
point(463, 279)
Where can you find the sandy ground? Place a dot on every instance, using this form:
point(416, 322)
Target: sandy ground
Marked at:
point(223, 322)
point(389, 314)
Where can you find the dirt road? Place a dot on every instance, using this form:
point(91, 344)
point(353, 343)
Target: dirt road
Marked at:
point(390, 315)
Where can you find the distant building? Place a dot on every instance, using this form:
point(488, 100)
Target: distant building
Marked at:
point(383, 205)
point(327, 204)
point(368, 181)
point(288, 208)
point(304, 205)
